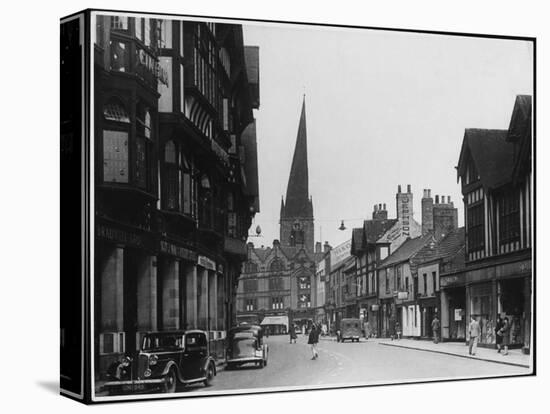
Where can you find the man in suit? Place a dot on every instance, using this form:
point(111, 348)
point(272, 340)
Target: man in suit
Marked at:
point(475, 332)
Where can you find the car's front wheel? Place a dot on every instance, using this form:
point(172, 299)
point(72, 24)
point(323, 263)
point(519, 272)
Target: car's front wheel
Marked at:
point(170, 381)
point(209, 375)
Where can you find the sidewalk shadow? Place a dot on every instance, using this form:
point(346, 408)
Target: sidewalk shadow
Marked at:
point(51, 386)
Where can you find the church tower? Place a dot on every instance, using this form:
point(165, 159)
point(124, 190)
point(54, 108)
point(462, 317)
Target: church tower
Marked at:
point(297, 210)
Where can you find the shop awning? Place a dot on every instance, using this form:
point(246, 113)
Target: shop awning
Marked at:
point(275, 320)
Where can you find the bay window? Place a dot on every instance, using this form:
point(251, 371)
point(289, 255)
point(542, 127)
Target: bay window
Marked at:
point(115, 142)
point(177, 183)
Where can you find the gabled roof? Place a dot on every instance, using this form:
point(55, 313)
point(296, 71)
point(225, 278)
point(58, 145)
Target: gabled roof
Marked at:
point(519, 134)
point(357, 244)
point(408, 249)
point(492, 155)
point(445, 248)
point(262, 253)
point(374, 229)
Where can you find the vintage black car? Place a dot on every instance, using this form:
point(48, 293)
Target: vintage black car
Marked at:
point(164, 360)
point(245, 344)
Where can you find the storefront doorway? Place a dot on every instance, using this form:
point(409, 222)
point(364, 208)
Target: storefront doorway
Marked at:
point(512, 306)
point(457, 313)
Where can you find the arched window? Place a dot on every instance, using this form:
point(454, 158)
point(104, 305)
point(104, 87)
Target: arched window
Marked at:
point(276, 265)
point(250, 267)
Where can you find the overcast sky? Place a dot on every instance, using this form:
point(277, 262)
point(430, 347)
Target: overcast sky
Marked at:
point(383, 108)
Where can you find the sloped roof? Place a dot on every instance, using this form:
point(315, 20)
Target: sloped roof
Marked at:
point(357, 240)
point(446, 247)
point(491, 154)
point(375, 229)
point(262, 253)
point(407, 250)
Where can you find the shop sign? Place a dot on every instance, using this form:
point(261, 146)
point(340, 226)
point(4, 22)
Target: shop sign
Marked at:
point(450, 280)
point(119, 236)
point(402, 295)
point(458, 314)
point(375, 308)
point(206, 263)
point(178, 251)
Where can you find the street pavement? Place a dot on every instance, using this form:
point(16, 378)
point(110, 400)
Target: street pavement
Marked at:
point(367, 362)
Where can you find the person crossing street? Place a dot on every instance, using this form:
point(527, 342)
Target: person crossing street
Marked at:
point(313, 340)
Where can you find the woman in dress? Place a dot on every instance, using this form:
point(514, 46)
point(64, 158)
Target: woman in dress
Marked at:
point(505, 331)
point(498, 335)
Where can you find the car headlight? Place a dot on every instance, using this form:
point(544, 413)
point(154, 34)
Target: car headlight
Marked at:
point(153, 359)
point(147, 373)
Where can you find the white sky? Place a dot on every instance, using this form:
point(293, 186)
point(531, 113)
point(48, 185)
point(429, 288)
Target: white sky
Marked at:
point(383, 108)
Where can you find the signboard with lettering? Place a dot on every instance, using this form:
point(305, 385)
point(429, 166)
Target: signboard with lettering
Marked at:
point(206, 263)
point(178, 251)
point(340, 253)
point(458, 314)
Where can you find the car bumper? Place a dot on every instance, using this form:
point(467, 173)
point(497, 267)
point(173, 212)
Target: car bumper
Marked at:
point(244, 359)
point(134, 384)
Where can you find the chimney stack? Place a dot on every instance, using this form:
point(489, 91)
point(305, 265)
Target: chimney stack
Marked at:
point(318, 247)
point(379, 213)
point(427, 212)
point(327, 247)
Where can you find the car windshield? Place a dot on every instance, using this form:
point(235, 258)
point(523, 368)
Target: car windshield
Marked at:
point(162, 341)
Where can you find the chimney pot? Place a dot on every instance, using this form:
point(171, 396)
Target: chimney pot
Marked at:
point(379, 206)
point(399, 188)
point(408, 188)
point(429, 193)
point(384, 206)
point(448, 199)
point(436, 199)
point(376, 207)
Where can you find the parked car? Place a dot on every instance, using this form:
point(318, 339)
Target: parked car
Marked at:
point(245, 344)
point(164, 360)
point(350, 328)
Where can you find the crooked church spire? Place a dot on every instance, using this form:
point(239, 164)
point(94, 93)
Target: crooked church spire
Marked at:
point(297, 210)
point(297, 202)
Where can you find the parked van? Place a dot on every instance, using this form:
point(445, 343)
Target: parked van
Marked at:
point(350, 328)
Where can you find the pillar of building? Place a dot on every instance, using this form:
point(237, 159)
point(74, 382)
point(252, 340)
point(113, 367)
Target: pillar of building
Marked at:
point(468, 300)
point(112, 284)
point(212, 301)
point(147, 294)
point(170, 295)
point(202, 298)
point(527, 318)
point(191, 277)
point(220, 288)
point(444, 314)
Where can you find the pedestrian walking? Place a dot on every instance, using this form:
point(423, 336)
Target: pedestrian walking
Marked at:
point(292, 334)
point(505, 332)
point(498, 335)
point(313, 340)
point(475, 331)
point(435, 329)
